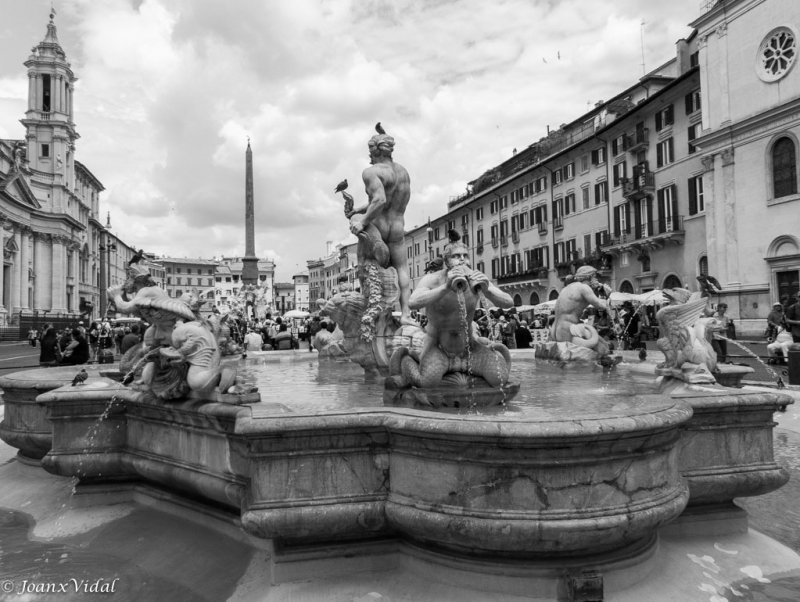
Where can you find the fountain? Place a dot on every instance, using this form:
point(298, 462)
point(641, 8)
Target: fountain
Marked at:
point(581, 500)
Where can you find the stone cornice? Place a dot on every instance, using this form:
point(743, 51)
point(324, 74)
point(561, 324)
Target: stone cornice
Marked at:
point(750, 127)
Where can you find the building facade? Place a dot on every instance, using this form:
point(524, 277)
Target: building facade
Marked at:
point(301, 291)
point(749, 150)
point(58, 257)
point(183, 275)
point(284, 297)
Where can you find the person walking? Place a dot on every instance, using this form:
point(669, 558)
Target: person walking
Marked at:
point(32, 334)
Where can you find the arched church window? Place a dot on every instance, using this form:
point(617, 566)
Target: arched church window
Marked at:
point(672, 281)
point(784, 168)
point(703, 266)
point(534, 298)
point(626, 287)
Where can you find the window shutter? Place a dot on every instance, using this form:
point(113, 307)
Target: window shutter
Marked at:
point(688, 102)
point(533, 219)
point(627, 217)
point(692, 196)
point(662, 211)
point(617, 210)
point(614, 146)
point(670, 115)
point(544, 213)
point(595, 157)
point(605, 192)
point(659, 155)
point(674, 204)
point(598, 239)
point(658, 121)
point(671, 148)
point(616, 175)
point(637, 219)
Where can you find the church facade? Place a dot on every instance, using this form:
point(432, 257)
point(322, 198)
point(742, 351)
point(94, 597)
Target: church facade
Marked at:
point(55, 249)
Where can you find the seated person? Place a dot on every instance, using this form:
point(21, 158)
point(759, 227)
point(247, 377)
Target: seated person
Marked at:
point(253, 341)
point(48, 355)
point(77, 352)
point(779, 349)
point(284, 339)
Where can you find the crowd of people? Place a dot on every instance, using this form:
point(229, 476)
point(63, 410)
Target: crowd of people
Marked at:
point(624, 327)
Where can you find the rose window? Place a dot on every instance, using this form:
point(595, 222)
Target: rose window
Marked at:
point(776, 54)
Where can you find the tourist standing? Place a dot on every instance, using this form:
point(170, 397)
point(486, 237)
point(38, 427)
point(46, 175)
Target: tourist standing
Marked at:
point(132, 339)
point(719, 344)
point(253, 341)
point(774, 321)
point(32, 335)
point(523, 337)
point(48, 356)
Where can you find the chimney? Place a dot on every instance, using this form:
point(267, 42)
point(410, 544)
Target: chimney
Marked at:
point(328, 245)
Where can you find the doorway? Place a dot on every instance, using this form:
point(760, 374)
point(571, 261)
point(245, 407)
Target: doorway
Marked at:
point(788, 283)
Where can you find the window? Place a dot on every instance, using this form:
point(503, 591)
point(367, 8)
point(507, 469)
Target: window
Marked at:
point(169, 279)
point(619, 145)
point(601, 193)
point(569, 171)
point(776, 55)
point(522, 219)
point(541, 184)
point(465, 219)
point(177, 270)
point(465, 240)
point(451, 225)
point(178, 281)
point(479, 213)
point(625, 259)
point(515, 223)
point(409, 252)
point(503, 202)
point(480, 236)
point(569, 204)
point(587, 245)
point(620, 171)
point(169, 270)
point(557, 177)
point(481, 267)
point(436, 233)
point(495, 267)
point(784, 168)
point(694, 59)
point(584, 163)
point(696, 201)
point(494, 232)
point(694, 132)
point(46, 93)
point(514, 197)
point(664, 153)
point(692, 102)
point(189, 271)
point(667, 209)
point(585, 197)
point(665, 117)
point(599, 156)
point(504, 228)
point(45, 150)
point(493, 207)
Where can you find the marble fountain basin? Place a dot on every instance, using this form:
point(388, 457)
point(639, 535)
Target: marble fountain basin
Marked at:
point(571, 483)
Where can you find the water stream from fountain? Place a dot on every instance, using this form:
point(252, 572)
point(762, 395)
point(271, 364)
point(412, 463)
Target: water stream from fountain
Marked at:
point(777, 377)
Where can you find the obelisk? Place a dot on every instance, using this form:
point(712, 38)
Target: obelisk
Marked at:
point(249, 261)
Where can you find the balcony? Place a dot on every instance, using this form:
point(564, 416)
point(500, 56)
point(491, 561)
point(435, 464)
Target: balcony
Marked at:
point(479, 249)
point(504, 240)
point(532, 276)
point(639, 186)
point(638, 141)
point(542, 226)
point(647, 236)
point(558, 223)
point(495, 243)
point(515, 237)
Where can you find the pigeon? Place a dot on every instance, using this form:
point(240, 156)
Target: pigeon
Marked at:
point(642, 354)
point(80, 377)
point(342, 186)
point(379, 128)
point(137, 257)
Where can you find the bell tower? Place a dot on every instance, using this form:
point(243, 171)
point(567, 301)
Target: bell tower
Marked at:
point(50, 129)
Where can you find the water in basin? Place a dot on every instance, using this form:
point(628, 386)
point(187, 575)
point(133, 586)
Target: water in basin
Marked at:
point(311, 386)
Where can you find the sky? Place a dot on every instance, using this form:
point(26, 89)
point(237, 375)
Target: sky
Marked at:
point(169, 91)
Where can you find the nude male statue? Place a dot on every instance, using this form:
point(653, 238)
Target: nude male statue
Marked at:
point(388, 189)
point(445, 346)
point(574, 298)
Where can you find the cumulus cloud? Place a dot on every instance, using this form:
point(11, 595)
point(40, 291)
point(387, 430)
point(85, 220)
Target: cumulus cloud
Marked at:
point(169, 91)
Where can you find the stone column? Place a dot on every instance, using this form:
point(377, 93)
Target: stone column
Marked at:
point(16, 275)
point(59, 280)
point(56, 83)
point(724, 86)
point(731, 232)
point(25, 259)
point(37, 104)
point(31, 90)
point(44, 272)
point(71, 89)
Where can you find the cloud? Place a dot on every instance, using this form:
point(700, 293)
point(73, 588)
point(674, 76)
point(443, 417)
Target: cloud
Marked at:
point(170, 90)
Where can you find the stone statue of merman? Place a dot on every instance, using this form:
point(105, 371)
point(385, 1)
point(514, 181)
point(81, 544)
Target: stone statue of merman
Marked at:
point(452, 352)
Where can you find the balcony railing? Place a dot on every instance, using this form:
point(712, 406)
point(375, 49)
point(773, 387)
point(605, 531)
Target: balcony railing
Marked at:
point(639, 140)
point(533, 273)
point(657, 227)
point(479, 249)
point(504, 241)
point(542, 227)
point(558, 223)
point(495, 243)
point(515, 237)
point(639, 186)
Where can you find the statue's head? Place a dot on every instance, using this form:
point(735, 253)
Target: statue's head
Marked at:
point(381, 145)
point(138, 277)
point(586, 273)
point(455, 254)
